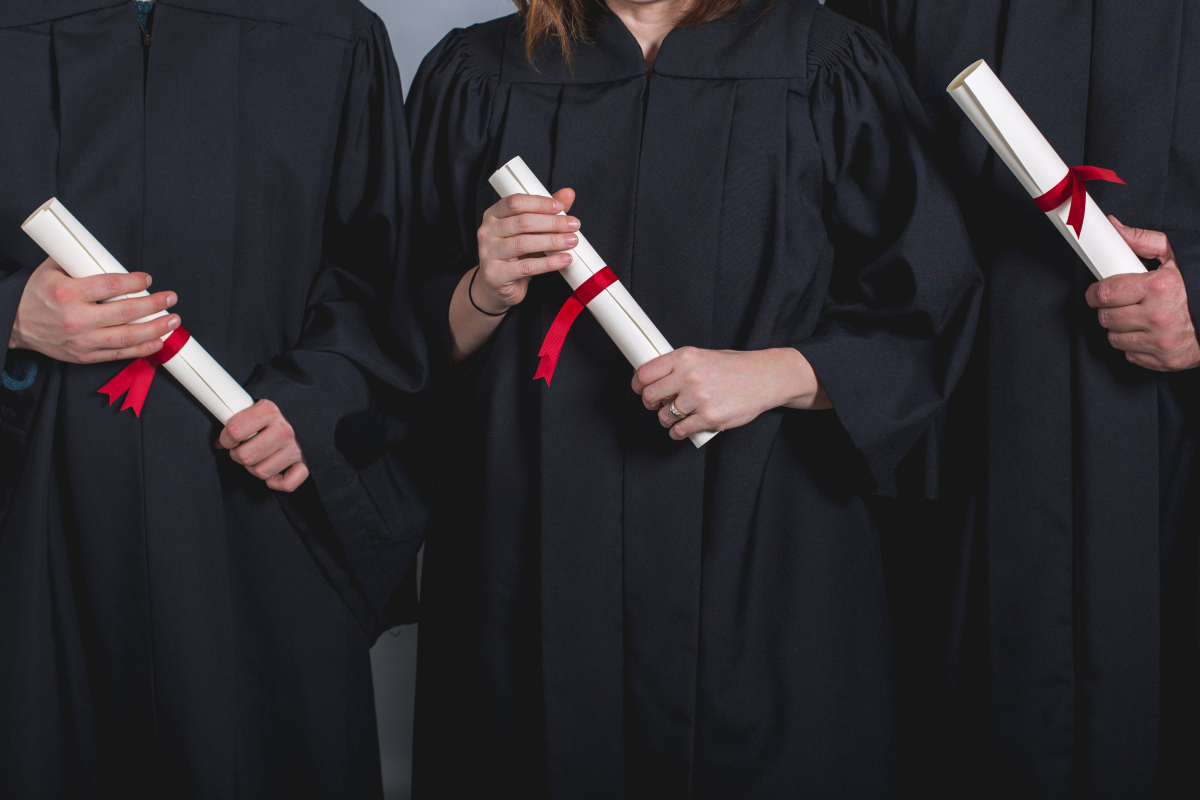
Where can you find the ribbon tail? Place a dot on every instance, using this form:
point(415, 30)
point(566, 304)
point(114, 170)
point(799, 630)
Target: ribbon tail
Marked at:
point(1078, 204)
point(546, 367)
point(555, 337)
point(1073, 187)
point(1097, 174)
point(140, 387)
point(584, 294)
point(1079, 191)
point(135, 379)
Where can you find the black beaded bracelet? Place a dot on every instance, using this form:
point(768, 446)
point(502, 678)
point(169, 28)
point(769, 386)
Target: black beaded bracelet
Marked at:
point(472, 299)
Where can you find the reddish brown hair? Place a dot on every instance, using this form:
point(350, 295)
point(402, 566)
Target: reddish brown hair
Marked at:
point(570, 21)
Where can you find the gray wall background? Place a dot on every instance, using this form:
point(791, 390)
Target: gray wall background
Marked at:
point(415, 26)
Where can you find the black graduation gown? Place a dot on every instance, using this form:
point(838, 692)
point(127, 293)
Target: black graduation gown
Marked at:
point(606, 611)
point(168, 625)
point(1073, 636)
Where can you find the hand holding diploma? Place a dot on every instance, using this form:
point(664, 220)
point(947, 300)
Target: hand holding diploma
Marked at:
point(81, 256)
point(261, 439)
point(67, 319)
point(513, 238)
point(81, 306)
point(1147, 314)
point(596, 288)
point(716, 390)
point(696, 392)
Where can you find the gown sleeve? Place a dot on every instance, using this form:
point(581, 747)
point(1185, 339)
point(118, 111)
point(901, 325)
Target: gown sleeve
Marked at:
point(903, 302)
point(353, 383)
point(12, 285)
point(19, 384)
point(18, 370)
point(449, 112)
point(1181, 209)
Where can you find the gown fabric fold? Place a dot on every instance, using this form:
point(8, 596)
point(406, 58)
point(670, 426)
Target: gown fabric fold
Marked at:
point(168, 625)
point(1074, 637)
point(609, 613)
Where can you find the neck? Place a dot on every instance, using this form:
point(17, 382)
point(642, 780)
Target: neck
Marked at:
point(650, 21)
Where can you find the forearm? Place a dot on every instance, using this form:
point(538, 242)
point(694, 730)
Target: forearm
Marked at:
point(470, 328)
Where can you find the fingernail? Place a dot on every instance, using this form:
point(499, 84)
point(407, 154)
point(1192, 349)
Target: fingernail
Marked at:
point(572, 240)
point(565, 259)
point(572, 223)
point(173, 323)
point(149, 281)
point(557, 206)
point(172, 299)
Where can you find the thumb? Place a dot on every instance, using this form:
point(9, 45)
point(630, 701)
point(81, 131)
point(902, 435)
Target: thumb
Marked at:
point(567, 198)
point(1144, 243)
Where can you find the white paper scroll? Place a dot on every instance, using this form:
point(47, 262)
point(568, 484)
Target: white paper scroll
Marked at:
point(1038, 167)
point(614, 308)
point(75, 250)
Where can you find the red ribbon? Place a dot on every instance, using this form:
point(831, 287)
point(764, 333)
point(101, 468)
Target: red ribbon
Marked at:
point(552, 346)
point(139, 373)
point(1072, 187)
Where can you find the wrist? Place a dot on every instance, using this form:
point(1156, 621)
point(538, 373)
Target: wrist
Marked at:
point(801, 388)
point(484, 307)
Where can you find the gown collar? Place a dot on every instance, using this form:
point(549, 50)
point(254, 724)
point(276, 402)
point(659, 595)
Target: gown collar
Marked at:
point(318, 15)
point(31, 12)
point(762, 39)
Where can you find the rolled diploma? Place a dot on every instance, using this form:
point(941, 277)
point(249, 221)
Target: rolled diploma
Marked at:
point(1012, 134)
point(75, 250)
point(614, 308)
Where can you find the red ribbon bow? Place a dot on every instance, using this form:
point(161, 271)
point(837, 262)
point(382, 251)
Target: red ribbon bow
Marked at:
point(139, 373)
point(1072, 187)
point(552, 346)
